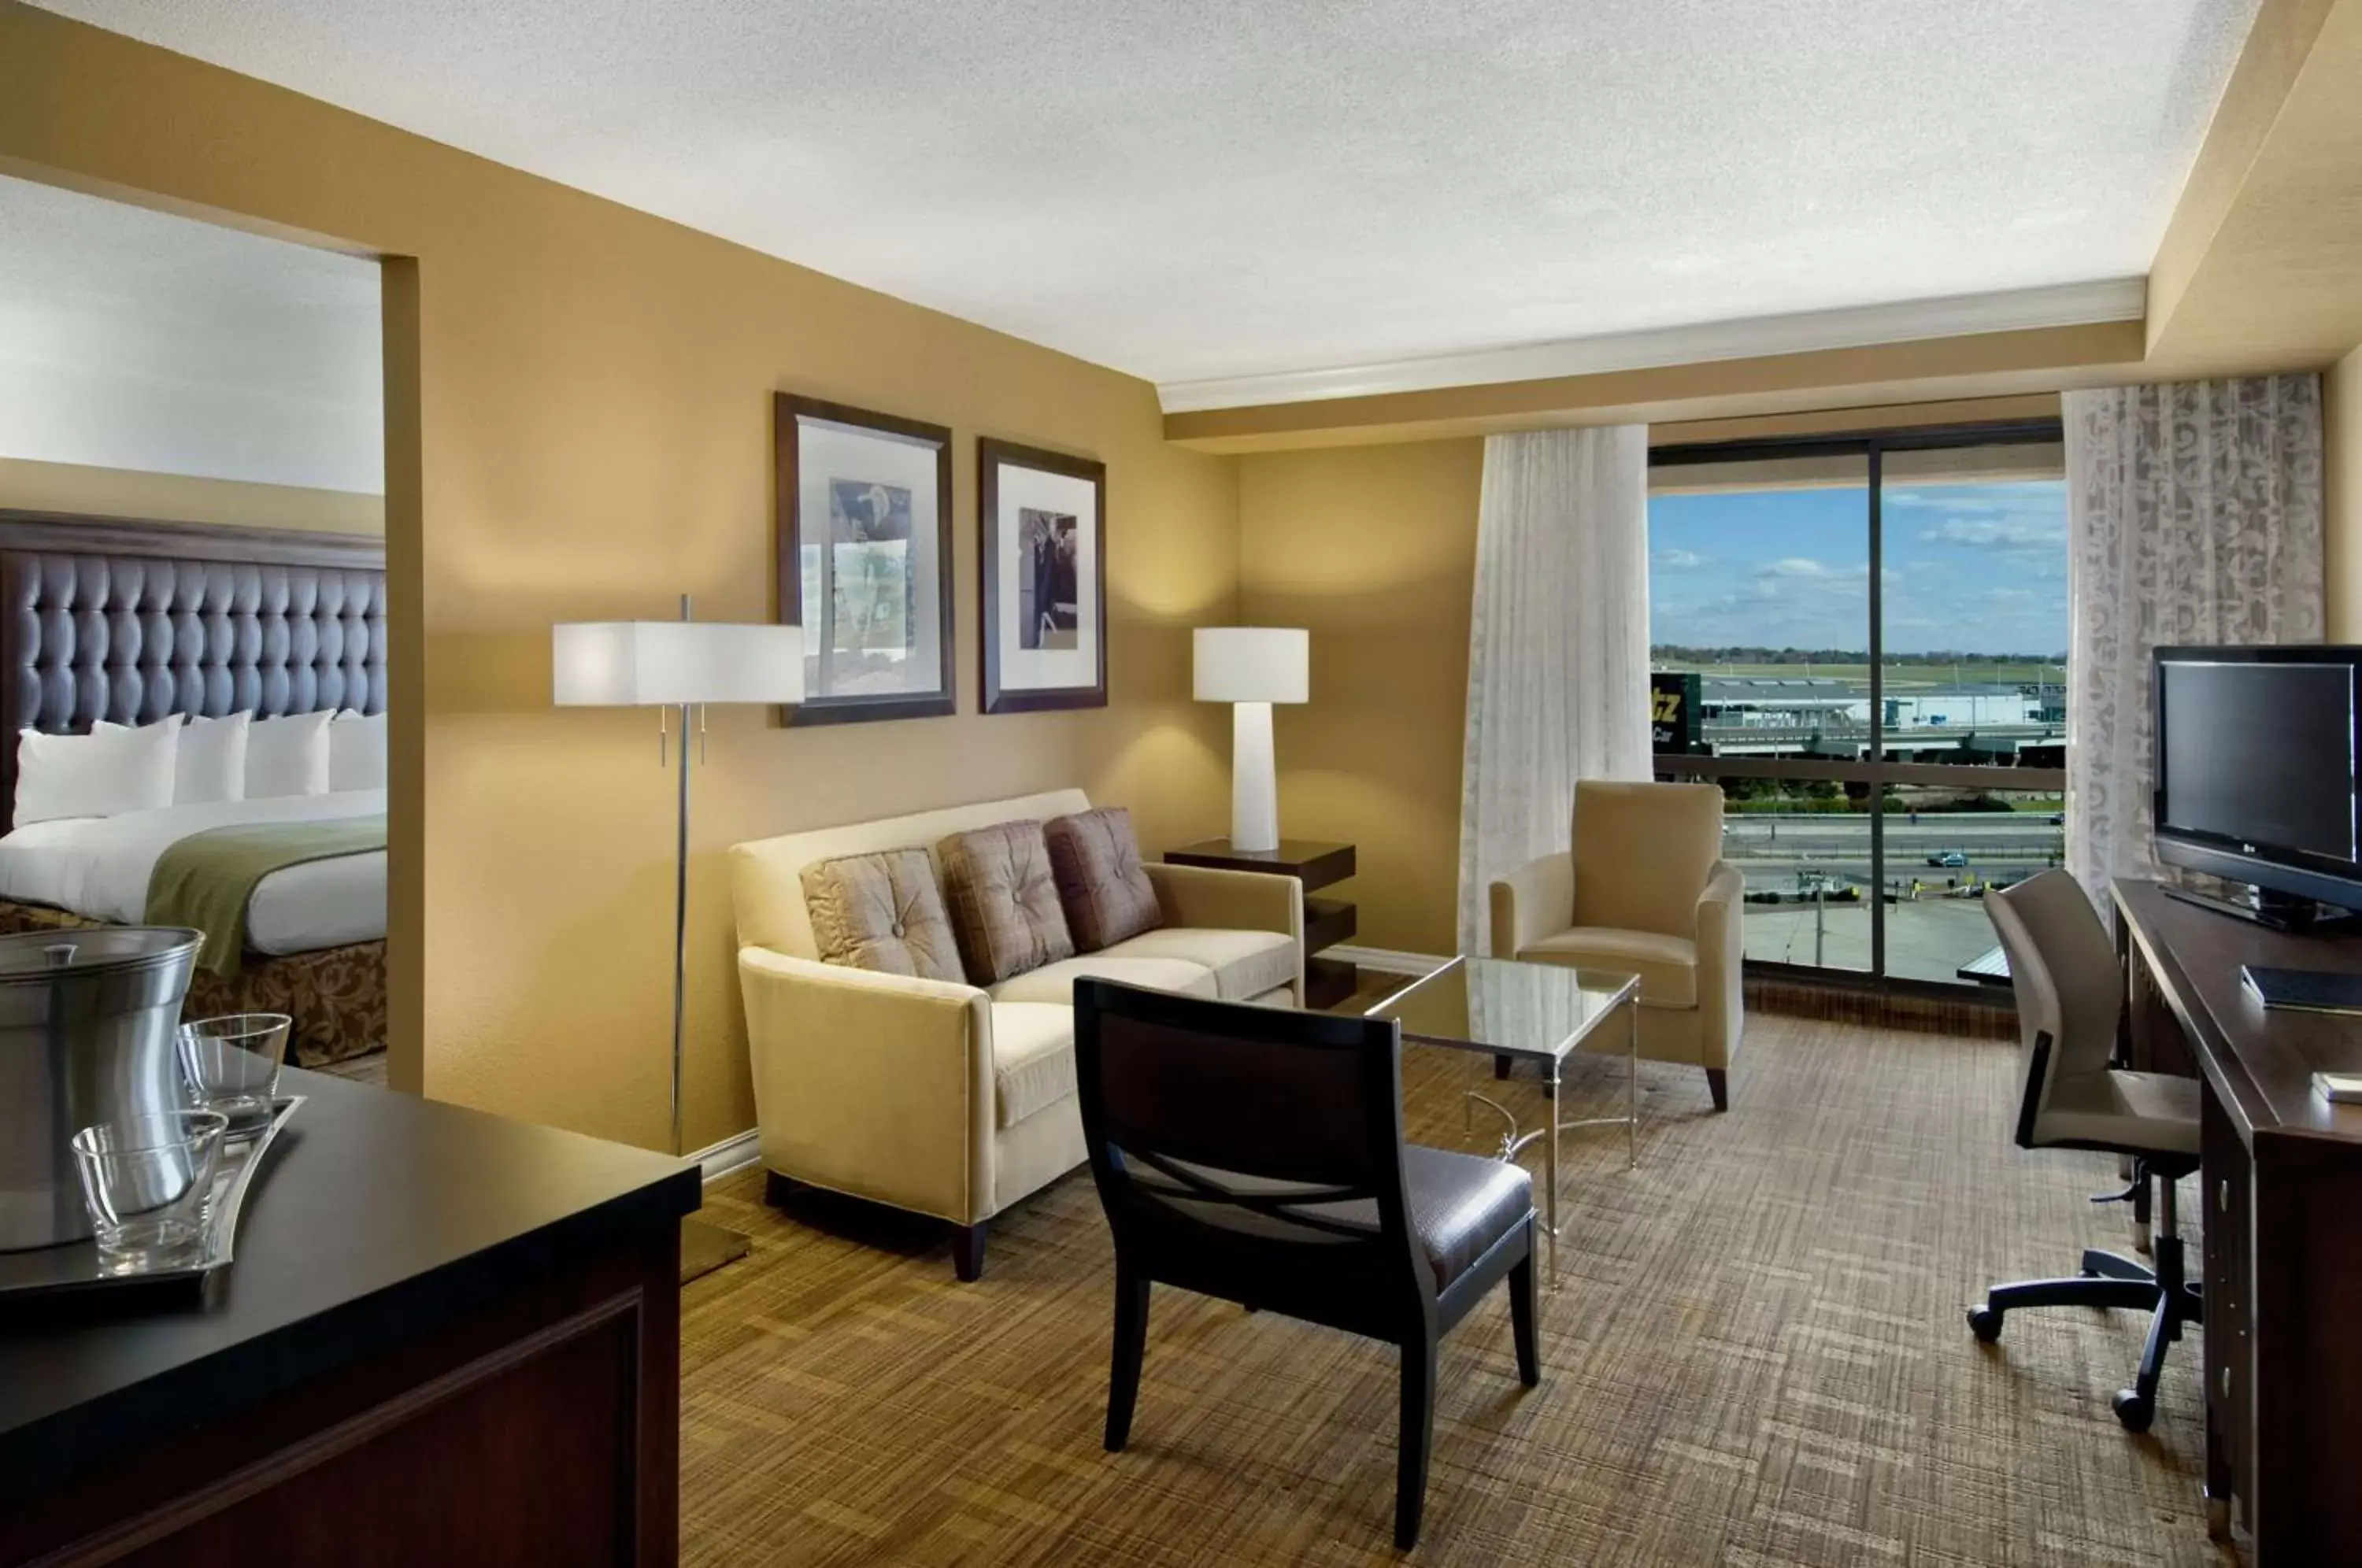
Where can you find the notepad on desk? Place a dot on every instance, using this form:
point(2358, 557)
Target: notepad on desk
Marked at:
point(2304, 990)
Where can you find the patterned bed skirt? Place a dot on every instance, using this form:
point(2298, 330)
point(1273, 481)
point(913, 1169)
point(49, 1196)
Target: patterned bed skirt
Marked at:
point(336, 995)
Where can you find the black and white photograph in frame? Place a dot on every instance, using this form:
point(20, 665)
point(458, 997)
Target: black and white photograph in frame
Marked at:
point(864, 561)
point(1042, 573)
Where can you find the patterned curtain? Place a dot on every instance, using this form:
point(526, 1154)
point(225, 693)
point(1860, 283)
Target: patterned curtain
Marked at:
point(2194, 516)
point(1558, 648)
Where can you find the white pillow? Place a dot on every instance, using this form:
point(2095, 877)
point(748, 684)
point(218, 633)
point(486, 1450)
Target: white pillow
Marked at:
point(288, 755)
point(357, 751)
point(212, 759)
point(103, 774)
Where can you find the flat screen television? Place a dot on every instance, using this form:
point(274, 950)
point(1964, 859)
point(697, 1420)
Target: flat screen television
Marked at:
point(2256, 772)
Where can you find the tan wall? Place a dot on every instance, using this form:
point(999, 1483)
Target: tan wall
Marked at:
point(28, 486)
point(2341, 412)
point(592, 436)
point(1373, 549)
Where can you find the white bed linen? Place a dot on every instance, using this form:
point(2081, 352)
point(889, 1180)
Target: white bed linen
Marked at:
point(99, 867)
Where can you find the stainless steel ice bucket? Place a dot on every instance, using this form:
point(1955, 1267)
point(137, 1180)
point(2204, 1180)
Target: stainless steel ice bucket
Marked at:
point(86, 1036)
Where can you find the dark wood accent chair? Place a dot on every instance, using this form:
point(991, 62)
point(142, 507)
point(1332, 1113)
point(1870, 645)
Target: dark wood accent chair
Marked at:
point(1256, 1154)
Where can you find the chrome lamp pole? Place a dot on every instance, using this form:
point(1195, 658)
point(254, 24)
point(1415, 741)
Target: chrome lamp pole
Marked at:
point(683, 666)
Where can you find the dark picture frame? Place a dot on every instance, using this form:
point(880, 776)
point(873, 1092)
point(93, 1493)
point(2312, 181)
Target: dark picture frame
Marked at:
point(1011, 636)
point(790, 413)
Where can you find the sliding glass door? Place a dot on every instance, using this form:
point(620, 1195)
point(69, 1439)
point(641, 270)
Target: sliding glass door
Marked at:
point(1862, 641)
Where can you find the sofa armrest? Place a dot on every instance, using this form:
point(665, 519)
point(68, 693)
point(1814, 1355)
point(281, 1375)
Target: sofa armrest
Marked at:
point(1535, 901)
point(875, 1085)
point(1228, 900)
point(1722, 962)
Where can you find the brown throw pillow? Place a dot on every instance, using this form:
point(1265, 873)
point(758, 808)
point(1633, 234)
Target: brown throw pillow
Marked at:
point(882, 912)
point(1004, 904)
point(1106, 892)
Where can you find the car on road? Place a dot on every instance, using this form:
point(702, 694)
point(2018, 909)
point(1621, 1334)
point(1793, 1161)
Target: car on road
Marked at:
point(1950, 858)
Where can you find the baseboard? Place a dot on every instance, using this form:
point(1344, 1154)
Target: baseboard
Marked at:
point(1386, 960)
point(729, 1154)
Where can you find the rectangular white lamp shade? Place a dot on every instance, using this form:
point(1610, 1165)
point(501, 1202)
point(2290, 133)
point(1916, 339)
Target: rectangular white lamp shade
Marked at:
point(1252, 664)
point(656, 663)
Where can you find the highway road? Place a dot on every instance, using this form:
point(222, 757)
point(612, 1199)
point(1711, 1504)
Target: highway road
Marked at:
point(1773, 850)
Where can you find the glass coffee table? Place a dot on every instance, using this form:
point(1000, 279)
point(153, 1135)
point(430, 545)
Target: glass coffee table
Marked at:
point(1527, 1012)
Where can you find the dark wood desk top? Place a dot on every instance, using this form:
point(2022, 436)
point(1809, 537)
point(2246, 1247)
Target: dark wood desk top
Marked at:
point(2260, 1063)
point(383, 1215)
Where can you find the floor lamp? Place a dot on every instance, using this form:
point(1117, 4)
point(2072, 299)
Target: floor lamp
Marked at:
point(1251, 668)
point(682, 667)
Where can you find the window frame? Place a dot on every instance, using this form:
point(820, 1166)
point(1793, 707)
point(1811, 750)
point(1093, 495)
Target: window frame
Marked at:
point(1876, 770)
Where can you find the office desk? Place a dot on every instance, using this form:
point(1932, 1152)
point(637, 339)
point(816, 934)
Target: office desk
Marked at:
point(2282, 1200)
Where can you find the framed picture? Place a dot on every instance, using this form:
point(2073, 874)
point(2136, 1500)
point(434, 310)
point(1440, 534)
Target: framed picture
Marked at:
point(1042, 575)
point(864, 531)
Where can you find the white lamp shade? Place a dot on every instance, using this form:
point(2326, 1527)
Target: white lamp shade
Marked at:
point(650, 663)
point(1252, 664)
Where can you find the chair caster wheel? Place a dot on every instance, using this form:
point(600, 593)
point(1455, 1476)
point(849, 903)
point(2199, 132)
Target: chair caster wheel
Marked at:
point(1985, 1323)
point(2133, 1412)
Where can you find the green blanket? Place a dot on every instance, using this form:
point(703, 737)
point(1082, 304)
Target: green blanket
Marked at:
point(205, 879)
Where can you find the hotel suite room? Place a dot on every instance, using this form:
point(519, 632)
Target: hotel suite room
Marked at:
point(594, 285)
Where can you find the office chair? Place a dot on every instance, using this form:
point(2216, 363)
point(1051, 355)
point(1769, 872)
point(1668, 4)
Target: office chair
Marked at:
point(2070, 992)
point(1256, 1154)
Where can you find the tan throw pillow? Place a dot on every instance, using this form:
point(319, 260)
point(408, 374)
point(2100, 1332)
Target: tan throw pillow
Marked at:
point(882, 912)
point(1004, 904)
point(1106, 892)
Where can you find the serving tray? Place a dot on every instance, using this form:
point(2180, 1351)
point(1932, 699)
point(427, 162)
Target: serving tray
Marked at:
point(51, 1270)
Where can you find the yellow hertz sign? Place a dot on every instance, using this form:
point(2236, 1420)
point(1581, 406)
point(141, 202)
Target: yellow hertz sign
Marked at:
point(1666, 706)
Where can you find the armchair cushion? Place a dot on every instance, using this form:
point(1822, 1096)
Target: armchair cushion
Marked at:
point(1107, 895)
point(1055, 982)
point(1667, 964)
point(882, 912)
point(1004, 903)
point(1246, 964)
point(1032, 1058)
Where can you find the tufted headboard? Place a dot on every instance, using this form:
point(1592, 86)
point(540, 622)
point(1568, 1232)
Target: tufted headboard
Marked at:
point(129, 622)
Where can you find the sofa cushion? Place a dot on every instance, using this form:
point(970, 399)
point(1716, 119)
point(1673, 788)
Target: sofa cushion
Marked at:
point(1667, 964)
point(1096, 861)
point(1032, 1058)
point(1246, 964)
point(1004, 905)
point(882, 912)
point(1055, 982)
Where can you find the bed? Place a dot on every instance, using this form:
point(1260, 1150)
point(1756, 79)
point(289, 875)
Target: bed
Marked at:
point(131, 621)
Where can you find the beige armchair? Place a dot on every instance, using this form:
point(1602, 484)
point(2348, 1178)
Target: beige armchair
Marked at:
point(1645, 891)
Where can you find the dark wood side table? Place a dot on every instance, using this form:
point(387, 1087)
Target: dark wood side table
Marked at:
point(1327, 921)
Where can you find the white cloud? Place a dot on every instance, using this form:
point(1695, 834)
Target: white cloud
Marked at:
point(1680, 560)
point(1793, 566)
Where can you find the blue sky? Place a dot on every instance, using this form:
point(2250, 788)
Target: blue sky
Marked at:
point(1970, 567)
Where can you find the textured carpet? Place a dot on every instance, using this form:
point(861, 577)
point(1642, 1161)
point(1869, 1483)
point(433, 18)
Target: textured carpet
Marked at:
point(1754, 1355)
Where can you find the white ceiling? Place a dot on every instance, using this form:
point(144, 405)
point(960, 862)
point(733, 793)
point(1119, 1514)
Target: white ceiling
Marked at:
point(134, 339)
point(1200, 192)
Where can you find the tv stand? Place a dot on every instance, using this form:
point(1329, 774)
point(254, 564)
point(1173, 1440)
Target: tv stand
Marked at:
point(2278, 911)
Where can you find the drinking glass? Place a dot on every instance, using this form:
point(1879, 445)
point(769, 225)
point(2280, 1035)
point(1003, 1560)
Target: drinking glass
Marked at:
point(233, 1062)
point(146, 1180)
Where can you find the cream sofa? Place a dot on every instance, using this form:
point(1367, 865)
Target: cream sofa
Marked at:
point(1644, 891)
point(949, 1100)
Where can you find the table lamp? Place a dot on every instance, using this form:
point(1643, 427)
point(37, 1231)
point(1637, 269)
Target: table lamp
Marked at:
point(684, 665)
point(1251, 668)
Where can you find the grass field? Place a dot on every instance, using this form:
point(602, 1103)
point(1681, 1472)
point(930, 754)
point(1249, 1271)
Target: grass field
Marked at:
point(1900, 676)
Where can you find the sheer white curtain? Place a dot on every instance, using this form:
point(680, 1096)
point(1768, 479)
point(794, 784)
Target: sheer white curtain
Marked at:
point(2194, 516)
point(1558, 645)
